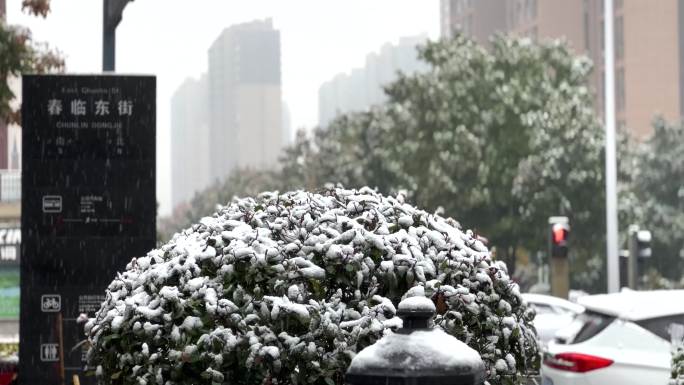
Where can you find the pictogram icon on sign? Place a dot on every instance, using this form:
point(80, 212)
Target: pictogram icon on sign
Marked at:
point(49, 352)
point(52, 203)
point(50, 303)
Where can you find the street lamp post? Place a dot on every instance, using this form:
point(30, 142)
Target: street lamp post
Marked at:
point(417, 354)
point(112, 11)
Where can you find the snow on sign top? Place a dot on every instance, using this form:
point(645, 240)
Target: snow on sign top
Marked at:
point(294, 284)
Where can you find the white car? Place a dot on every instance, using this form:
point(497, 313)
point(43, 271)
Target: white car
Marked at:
point(621, 338)
point(553, 314)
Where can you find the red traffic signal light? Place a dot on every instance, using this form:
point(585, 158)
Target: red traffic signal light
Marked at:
point(559, 233)
point(558, 237)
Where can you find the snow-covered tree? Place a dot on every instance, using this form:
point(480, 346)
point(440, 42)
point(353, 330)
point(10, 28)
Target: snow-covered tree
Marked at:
point(19, 53)
point(286, 288)
point(241, 182)
point(657, 196)
point(500, 138)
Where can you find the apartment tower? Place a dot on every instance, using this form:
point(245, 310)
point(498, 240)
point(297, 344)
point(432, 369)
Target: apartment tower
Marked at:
point(245, 103)
point(189, 139)
point(649, 46)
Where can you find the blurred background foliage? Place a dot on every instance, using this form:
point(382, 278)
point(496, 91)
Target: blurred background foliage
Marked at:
point(500, 138)
point(20, 54)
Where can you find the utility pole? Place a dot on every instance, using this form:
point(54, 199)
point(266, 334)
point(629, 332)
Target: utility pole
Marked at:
point(112, 11)
point(611, 162)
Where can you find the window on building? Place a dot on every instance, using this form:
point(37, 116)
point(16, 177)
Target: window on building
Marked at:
point(619, 38)
point(602, 87)
point(455, 16)
point(617, 4)
point(587, 30)
point(620, 89)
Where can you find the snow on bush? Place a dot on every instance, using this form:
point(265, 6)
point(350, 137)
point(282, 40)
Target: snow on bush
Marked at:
point(677, 337)
point(677, 366)
point(285, 288)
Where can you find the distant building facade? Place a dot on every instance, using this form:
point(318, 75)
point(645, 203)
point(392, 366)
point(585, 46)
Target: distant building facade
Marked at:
point(10, 215)
point(286, 125)
point(649, 46)
point(3, 123)
point(189, 140)
point(363, 87)
point(479, 19)
point(245, 98)
point(10, 134)
point(10, 149)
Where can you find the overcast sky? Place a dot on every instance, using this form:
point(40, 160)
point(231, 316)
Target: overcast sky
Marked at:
point(170, 39)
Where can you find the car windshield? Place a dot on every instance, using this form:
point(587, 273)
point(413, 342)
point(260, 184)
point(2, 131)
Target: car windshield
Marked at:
point(542, 308)
point(661, 326)
point(585, 326)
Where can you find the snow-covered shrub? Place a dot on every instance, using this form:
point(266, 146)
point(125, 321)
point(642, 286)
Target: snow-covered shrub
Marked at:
point(285, 288)
point(678, 366)
point(677, 337)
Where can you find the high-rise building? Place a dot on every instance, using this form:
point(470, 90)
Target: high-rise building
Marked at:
point(245, 106)
point(649, 46)
point(363, 87)
point(477, 18)
point(286, 125)
point(189, 140)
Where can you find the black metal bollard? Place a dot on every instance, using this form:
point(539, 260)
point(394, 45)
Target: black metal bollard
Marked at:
point(417, 354)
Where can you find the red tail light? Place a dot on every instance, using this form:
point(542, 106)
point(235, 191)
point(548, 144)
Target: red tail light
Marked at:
point(576, 362)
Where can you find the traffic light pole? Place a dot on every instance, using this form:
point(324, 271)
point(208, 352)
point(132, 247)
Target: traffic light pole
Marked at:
point(633, 258)
point(639, 251)
point(558, 253)
point(560, 274)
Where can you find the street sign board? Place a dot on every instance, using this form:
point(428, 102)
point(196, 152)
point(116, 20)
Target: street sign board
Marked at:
point(88, 207)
